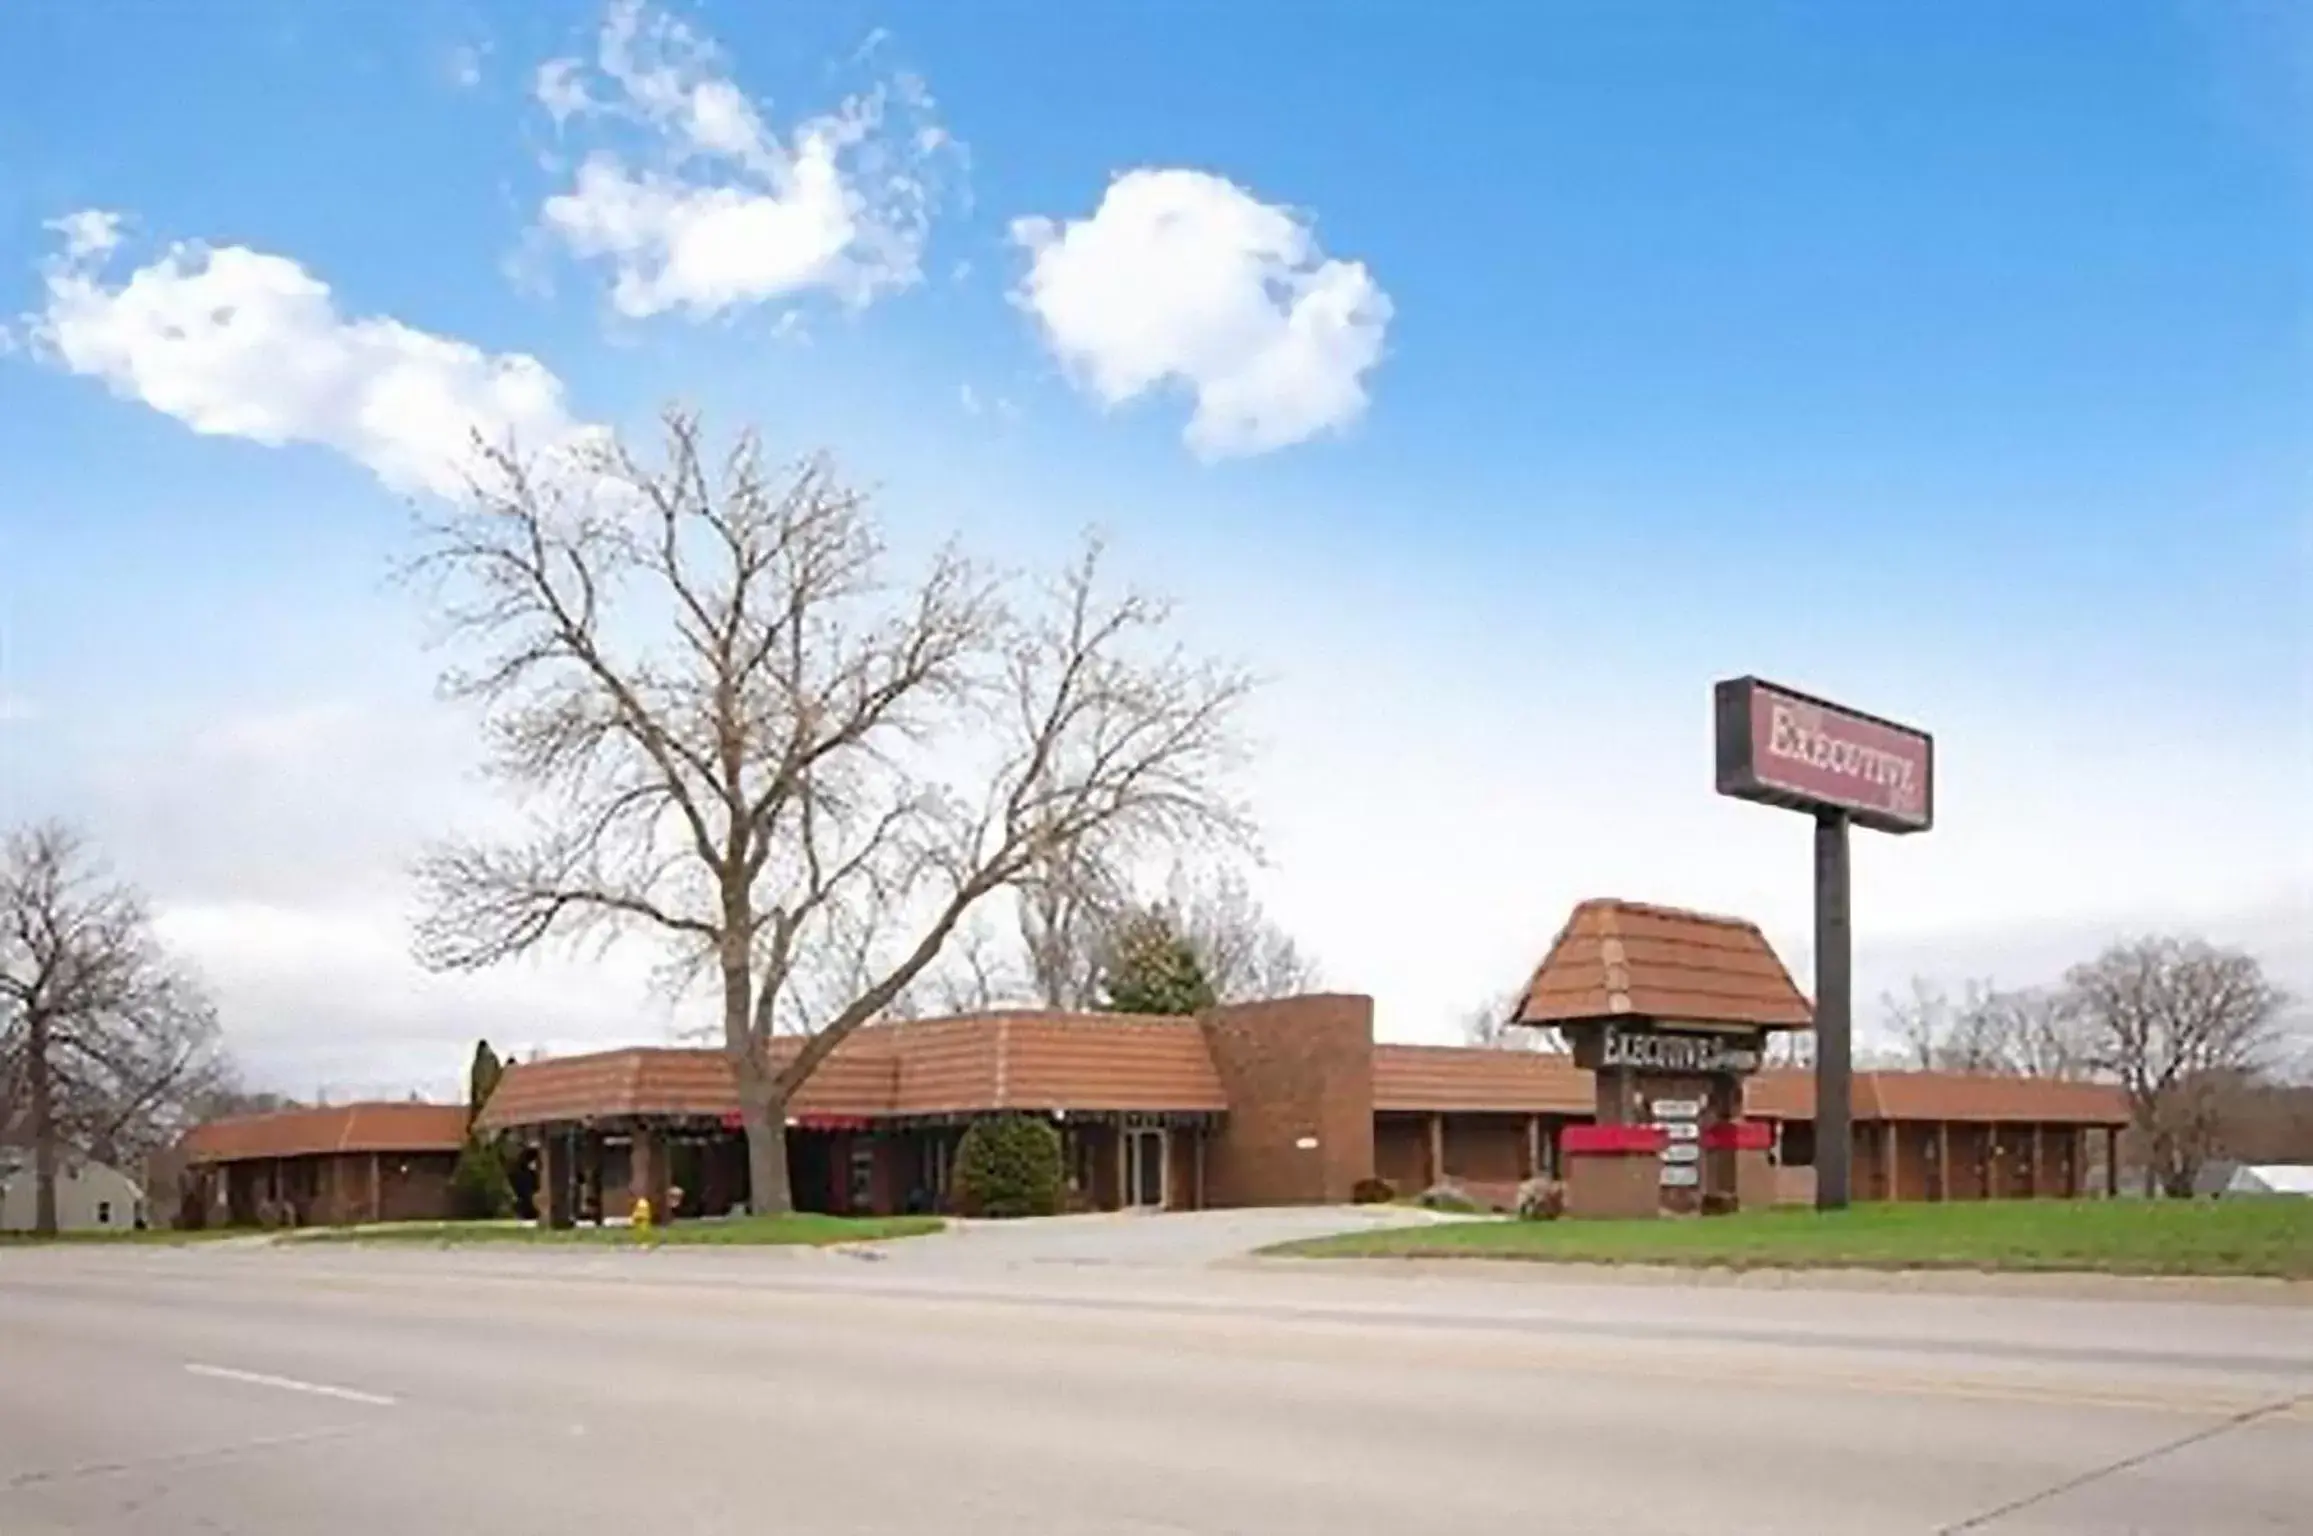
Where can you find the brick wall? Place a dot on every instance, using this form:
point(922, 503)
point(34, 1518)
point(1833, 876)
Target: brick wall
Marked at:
point(415, 1186)
point(1291, 1068)
point(1486, 1149)
point(1401, 1151)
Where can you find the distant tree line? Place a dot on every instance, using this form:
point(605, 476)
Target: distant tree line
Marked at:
point(2195, 1034)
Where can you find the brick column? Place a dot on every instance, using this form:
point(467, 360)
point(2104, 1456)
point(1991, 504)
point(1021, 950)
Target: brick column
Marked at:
point(1943, 1160)
point(1437, 1149)
point(1534, 1146)
point(1892, 1185)
point(554, 1176)
point(2039, 1159)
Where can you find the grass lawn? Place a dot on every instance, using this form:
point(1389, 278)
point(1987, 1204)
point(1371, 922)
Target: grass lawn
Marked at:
point(2242, 1236)
point(800, 1229)
point(157, 1235)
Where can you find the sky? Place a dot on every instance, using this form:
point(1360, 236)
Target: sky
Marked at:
point(1489, 379)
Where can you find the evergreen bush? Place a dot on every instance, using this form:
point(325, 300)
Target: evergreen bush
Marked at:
point(1009, 1165)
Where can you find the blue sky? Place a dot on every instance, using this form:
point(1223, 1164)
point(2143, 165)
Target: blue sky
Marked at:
point(1952, 360)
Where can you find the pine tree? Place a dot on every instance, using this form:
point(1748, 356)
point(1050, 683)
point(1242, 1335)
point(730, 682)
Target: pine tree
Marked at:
point(1152, 968)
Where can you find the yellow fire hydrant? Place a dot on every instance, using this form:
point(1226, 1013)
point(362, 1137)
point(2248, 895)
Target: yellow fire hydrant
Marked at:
point(641, 1219)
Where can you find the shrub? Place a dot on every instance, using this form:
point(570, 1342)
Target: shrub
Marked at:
point(1009, 1165)
point(1372, 1192)
point(1446, 1195)
point(1541, 1200)
point(479, 1187)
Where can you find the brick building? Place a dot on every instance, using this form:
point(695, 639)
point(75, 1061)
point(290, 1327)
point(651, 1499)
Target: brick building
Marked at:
point(344, 1164)
point(1282, 1102)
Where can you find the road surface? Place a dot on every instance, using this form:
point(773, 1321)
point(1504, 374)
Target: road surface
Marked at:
point(1064, 1381)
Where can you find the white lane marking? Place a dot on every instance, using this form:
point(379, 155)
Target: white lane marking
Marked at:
point(289, 1384)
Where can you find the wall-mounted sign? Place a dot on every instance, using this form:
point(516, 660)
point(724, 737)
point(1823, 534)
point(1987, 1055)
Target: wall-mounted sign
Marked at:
point(1677, 1109)
point(1807, 754)
point(1681, 1175)
point(1682, 1130)
point(1665, 1051)
point(1681, 1152)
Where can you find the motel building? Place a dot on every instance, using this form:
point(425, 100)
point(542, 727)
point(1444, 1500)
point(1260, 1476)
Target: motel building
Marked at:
point(1289, 1101)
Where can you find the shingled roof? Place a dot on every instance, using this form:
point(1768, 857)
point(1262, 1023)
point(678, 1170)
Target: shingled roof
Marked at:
point(1458, 1079)
point(1969, 1097)
point(966, 1065)
point(1627, 960)
point(338, 1128)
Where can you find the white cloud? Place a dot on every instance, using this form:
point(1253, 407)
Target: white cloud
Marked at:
point(1186, 278)
point(235, 342)
point(464, 65)
point(15, 709)
point(723, 212)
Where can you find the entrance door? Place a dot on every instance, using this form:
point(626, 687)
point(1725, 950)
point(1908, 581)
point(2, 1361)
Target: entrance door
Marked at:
point(1144, 1168)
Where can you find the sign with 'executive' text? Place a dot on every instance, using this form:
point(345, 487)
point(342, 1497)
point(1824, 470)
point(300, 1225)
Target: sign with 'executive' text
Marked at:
point(1652, 1050)
point(1785, 748)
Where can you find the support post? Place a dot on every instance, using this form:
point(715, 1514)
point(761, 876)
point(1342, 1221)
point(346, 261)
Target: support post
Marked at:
point(1943, 1160)
point(1534, 1147)
point(376, 1188)
point(1888, 1151)
point(1437, 1149)
point(1834, 1041)
point(2112, 1162)
point(2039, 1158)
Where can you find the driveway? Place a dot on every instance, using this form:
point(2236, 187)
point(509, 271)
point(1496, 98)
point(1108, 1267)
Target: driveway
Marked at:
point(1137, 1239)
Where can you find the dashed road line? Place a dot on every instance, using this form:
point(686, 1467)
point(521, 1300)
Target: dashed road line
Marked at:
point(291, 1384)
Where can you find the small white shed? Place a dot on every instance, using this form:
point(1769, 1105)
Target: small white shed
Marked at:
point(90, 1197)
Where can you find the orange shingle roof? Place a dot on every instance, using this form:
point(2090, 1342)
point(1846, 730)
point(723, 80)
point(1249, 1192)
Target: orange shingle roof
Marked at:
point(1063, 1061)
point(1450, 1078)
point(961, 1065)
point(1622, 959)
point(1959, 1096)
point(338, 1128)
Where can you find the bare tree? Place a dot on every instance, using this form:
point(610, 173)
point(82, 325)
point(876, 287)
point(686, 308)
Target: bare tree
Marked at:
point(735, 731)
point(1073, 913)
point(1246, 955)
point(2180, 1024)
point(1491, 1026)
point(1070, 901)
point(104, 1044)
point(2028, 1032)
point(1791, 1050)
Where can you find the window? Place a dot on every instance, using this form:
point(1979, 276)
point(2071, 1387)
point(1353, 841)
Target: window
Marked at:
point(104, 1213)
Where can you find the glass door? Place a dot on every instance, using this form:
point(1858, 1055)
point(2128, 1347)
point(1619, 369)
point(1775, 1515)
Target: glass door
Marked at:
point(1144, 1168)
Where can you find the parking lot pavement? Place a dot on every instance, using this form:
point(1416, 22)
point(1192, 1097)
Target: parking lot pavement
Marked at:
point(1139, 1239)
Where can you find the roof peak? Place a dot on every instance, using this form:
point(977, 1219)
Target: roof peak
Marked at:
point(1658, 909)
point(1621, 959)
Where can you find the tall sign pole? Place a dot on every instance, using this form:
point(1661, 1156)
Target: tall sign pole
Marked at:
point(1834, 1016)
point(1782, 747)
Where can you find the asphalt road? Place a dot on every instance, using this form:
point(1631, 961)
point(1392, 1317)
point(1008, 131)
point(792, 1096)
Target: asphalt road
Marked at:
point(1065, 1381)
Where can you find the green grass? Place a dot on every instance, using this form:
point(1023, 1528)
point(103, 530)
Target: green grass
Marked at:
point(798, 1230)
point(164, 1236)
point(2272, 1236)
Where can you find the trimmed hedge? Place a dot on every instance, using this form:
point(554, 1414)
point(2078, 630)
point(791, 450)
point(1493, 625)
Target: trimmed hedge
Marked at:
point(1009, 1165)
